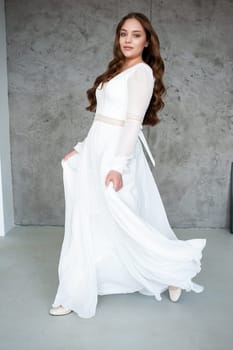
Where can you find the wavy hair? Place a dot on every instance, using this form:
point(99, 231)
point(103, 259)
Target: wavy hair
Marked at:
point(150, 55)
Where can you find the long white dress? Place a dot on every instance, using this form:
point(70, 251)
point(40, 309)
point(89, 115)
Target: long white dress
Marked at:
point(119, 241)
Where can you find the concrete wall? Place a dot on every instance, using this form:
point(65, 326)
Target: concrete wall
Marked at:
point(6, 197)
point(55, 51)
point(194, 143)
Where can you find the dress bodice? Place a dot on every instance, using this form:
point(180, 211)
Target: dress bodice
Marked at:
point(112, 97)
point(125, 99)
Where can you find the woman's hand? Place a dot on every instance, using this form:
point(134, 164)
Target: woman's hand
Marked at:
point(116, 179)
point(70, 154)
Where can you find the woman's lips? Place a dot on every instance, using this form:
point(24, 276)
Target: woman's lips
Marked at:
point(127, 48)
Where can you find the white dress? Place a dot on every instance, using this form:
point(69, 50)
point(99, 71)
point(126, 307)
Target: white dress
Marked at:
point(119, 241)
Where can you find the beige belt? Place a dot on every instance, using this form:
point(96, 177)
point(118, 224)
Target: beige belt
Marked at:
point(118, 122)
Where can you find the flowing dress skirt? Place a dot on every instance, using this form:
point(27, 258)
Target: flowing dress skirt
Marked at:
point(117, 242)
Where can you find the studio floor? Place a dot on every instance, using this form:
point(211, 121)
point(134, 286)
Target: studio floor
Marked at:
point(28, 280)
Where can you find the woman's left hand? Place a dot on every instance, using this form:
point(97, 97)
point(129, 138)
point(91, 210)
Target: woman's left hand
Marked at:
point(116, 179)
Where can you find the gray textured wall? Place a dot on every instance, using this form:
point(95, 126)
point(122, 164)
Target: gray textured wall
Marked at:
point(6, 195)
point(55, 51)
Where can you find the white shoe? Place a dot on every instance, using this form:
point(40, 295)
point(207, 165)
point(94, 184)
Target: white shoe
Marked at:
point(174, 293)
point(59, 311)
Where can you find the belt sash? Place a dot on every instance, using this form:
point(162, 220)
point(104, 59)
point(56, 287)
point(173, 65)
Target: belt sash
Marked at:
point(114, 121)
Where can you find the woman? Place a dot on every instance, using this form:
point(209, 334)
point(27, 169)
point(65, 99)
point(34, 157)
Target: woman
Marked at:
point(117, 236)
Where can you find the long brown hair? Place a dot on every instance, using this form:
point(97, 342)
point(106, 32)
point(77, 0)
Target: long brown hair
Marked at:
point(150, 55)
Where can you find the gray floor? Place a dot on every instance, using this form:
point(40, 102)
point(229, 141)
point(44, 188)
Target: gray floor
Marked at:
point(28, 267)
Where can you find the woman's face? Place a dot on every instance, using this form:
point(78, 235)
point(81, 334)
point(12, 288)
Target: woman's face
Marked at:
point(132, 39)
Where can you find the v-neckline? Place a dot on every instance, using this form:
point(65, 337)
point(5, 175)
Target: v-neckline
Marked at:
point(125, 70)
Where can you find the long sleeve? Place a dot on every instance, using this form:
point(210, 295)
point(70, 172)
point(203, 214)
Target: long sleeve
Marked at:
point(140, 89)
point(78, 146)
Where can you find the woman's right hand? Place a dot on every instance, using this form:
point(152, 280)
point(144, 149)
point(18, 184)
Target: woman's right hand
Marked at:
point(70, 154)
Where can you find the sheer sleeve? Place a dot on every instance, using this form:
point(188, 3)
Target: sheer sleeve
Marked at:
point(140, 89)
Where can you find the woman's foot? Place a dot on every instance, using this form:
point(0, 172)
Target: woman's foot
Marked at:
point(59, 311)
point(174, 293)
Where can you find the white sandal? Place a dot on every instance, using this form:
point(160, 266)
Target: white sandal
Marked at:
point(174, 293)
point(59, 311)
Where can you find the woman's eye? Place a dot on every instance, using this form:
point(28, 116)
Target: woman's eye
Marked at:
point(134, 35)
